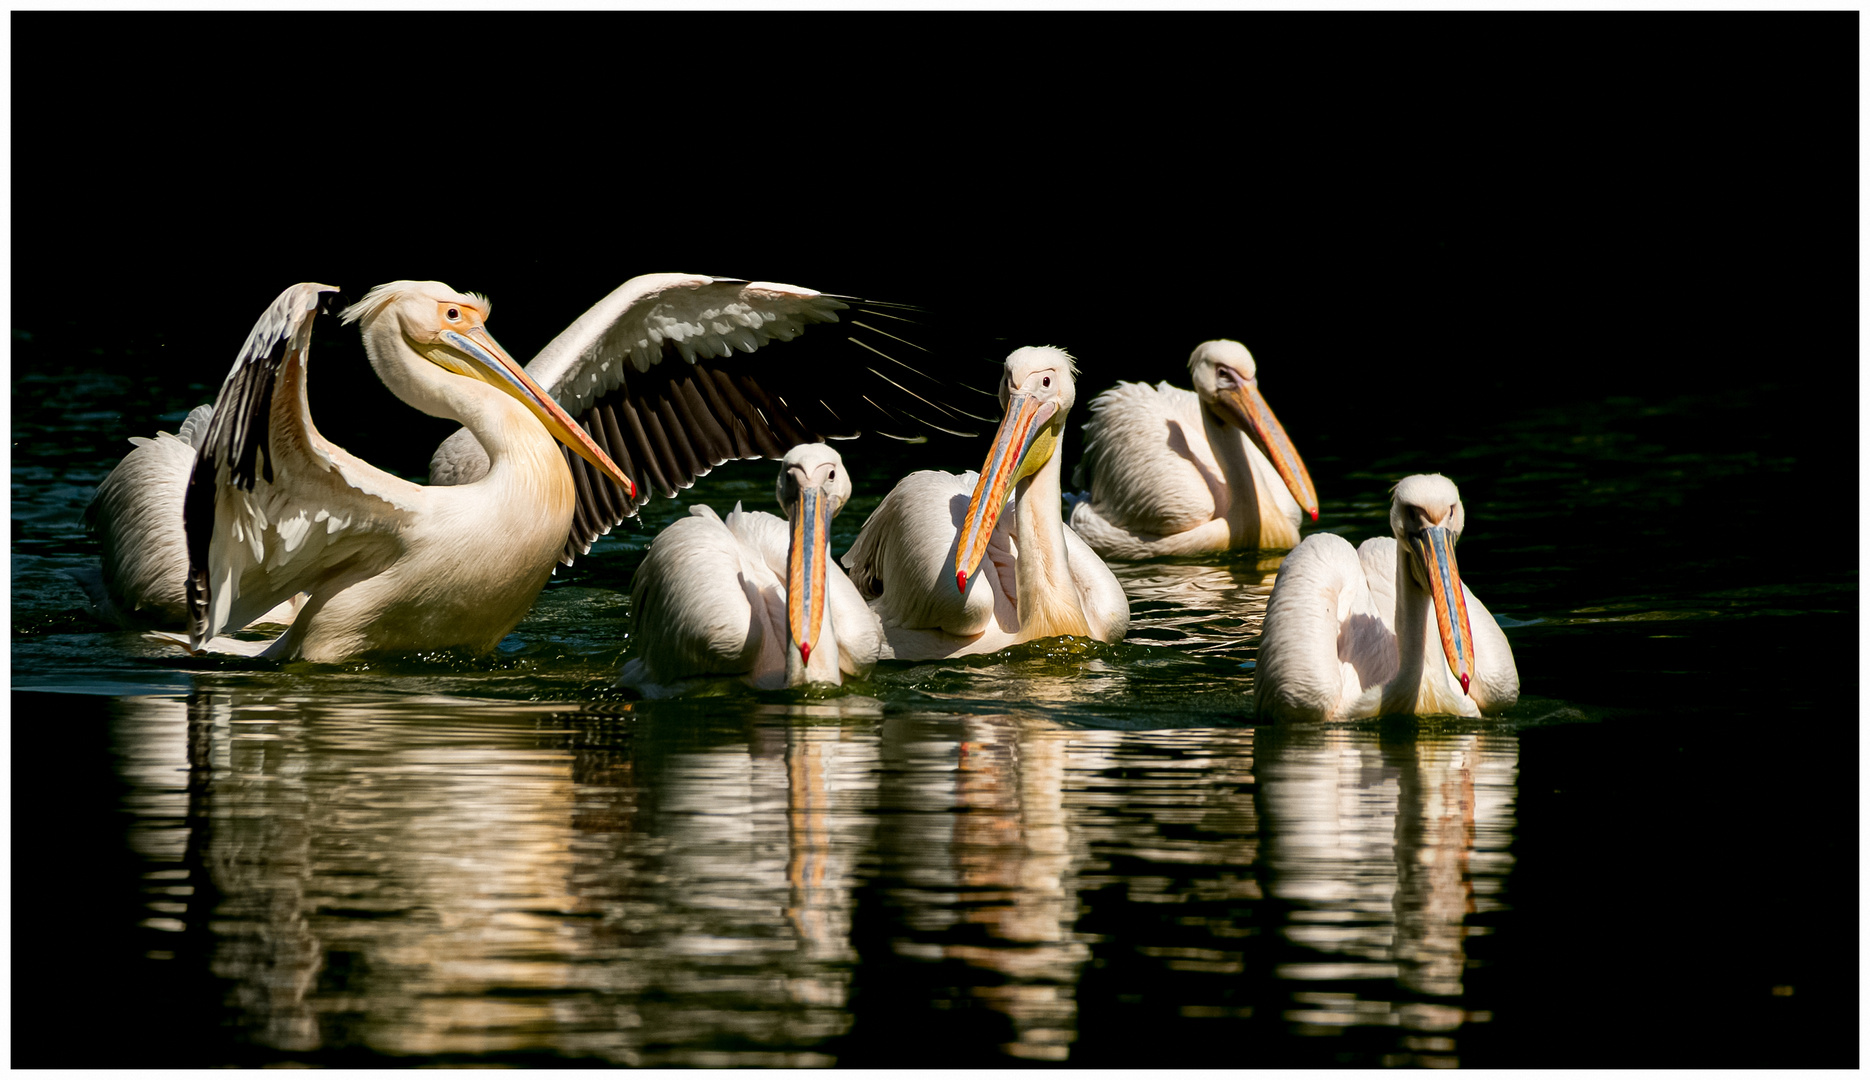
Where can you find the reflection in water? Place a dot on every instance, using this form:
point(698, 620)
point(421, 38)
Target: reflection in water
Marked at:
point(800, 885)
point(1382, 847)
point(980, 860)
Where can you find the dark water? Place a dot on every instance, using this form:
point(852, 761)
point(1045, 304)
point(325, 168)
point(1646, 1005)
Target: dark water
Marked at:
point(1072, 853)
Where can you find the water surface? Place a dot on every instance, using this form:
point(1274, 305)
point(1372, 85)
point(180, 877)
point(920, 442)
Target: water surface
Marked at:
point(1072, 852)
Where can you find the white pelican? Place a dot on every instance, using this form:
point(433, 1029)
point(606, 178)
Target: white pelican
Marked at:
point(915, 558)
point(274, 509)
point(1386, 628)
point(665, 423)
point(752, 597)
point(1170, 472)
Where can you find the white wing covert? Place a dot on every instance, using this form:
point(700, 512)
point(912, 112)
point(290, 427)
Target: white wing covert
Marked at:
point(272, 506)
point(1147, 464)
point(143, 555)
point(700, 604)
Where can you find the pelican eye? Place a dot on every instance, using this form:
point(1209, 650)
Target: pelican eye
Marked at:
point(1047, 381)
point(833, 476)
point(454, 314)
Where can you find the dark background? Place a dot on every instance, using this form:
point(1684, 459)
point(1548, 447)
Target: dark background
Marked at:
point(1436, 214)
point(1414, 221)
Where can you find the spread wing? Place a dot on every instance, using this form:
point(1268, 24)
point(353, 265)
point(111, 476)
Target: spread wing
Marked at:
point(272, 508)
point(669, 376)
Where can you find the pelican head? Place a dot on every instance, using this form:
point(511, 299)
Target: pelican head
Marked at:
point(1224, 376)
point(405, 323)
point(1426, 517)
point(1038, 390)
point(813, 487)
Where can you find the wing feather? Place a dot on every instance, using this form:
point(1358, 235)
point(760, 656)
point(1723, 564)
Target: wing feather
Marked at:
point(666, 375)
point(272, 507)
point(1147, 463)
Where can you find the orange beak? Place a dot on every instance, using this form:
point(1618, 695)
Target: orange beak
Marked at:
point(1025, 420)
point(1246, 409)
point(492, 365)
point(1435, 547)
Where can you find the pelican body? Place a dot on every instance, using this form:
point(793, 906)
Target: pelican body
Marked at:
point(1386, 628)
point(273, 509)
point(142, 577)
point(753, 596)
point(950, 570)
point(1174, 472)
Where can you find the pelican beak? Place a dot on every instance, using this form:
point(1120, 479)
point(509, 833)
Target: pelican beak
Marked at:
point(1248, 411)
point(1435, 547)
point(1024, 442)
point(490, 364)
point(806, 557)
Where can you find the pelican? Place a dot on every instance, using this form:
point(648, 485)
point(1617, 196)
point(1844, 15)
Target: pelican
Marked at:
point(949, 574)
point(274, 509)
point(1170, 472)
point(137, 515)
point(751, 596)
point(1386, 628)
point(665, 423)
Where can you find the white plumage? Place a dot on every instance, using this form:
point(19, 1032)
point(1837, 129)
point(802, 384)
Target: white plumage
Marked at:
point(1174, 472)
point(949, 574)
point(1386, 628)
point(137, 516)
point(735, 598)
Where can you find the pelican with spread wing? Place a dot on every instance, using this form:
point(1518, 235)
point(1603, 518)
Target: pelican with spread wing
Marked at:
point(657, 373)
point(273, 509)
point(1170, 472)
point(1385, 628)
point(950, 571)
point(754, 597)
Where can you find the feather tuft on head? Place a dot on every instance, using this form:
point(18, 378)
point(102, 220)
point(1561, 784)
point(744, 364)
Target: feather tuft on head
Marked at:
point(1037, 354)
point(389, 292)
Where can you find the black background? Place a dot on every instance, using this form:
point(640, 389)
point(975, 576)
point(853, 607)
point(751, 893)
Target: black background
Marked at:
point(1408, 218)
point(1434, 212)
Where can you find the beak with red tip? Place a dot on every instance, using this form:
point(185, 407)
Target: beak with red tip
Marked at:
point(489, 363)
point(1434, 545)
point(1242, 405)
point(1023, 443)
point(806, 557)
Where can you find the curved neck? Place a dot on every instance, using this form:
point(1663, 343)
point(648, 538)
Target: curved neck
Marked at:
point(1423, 683)
point(1254, 512)
point(1048, 597)
point(503, 425)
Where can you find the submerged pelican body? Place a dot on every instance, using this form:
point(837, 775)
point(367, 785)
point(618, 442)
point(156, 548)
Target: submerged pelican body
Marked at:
point(1173, 472)
point(754, 597)
point(951, 571)
point(1385, 628)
